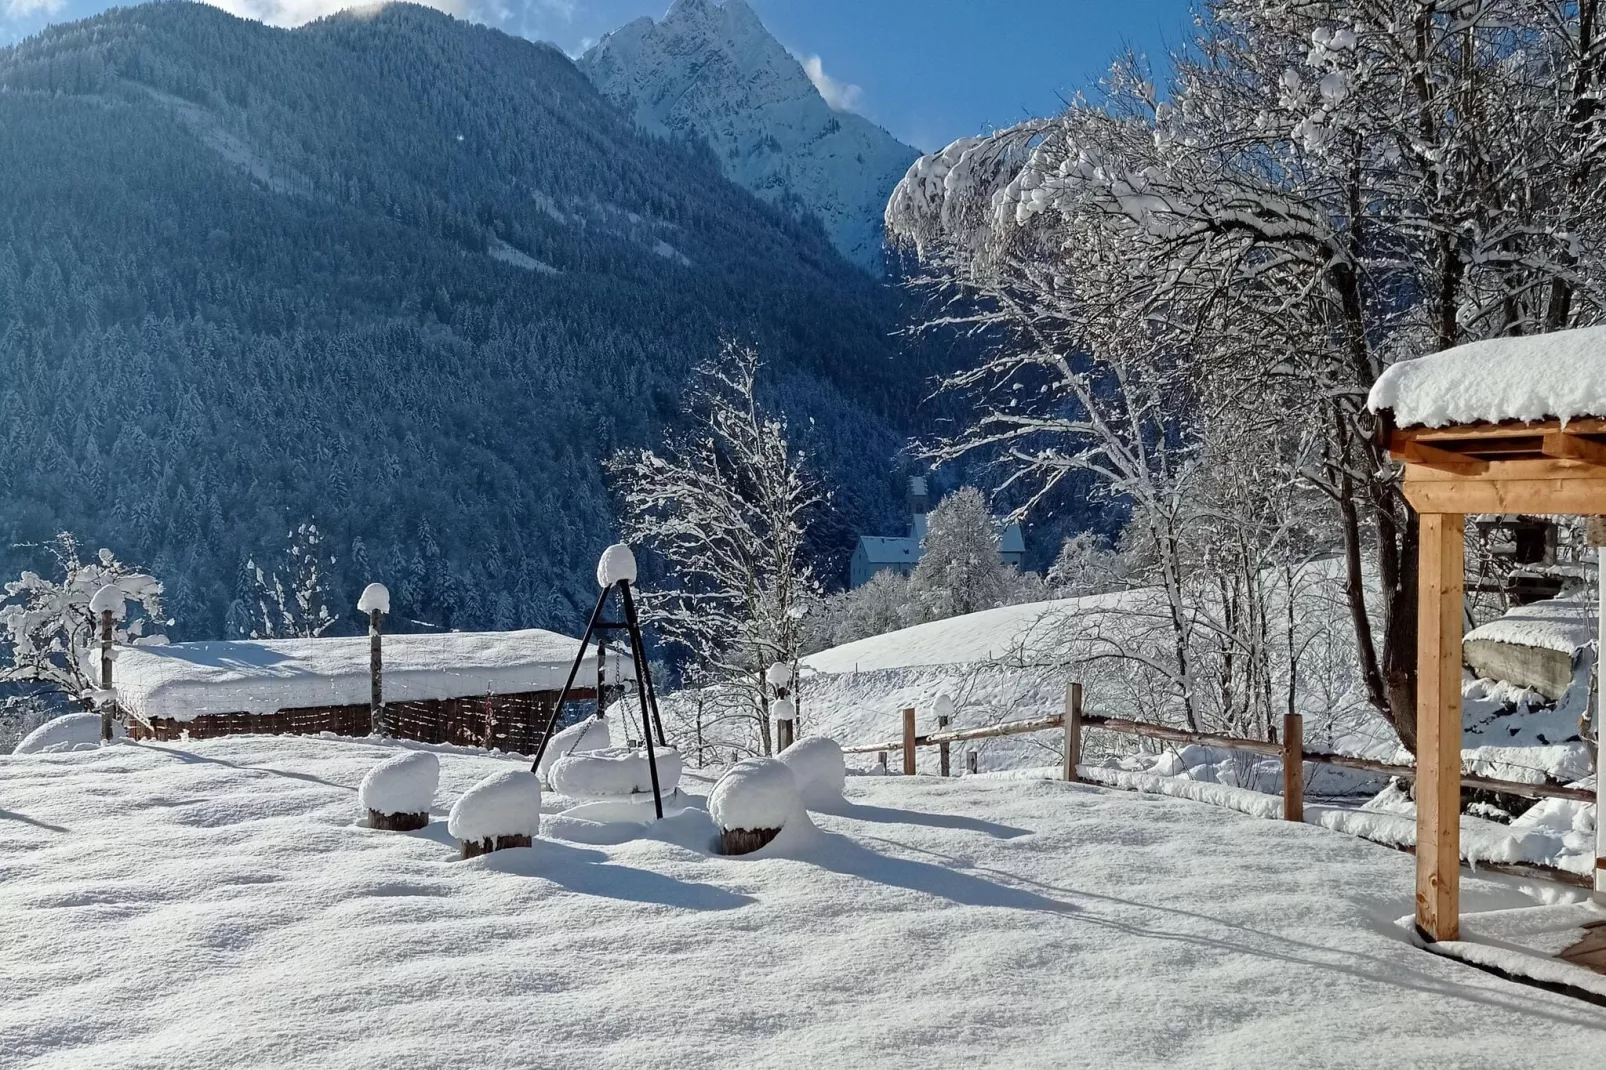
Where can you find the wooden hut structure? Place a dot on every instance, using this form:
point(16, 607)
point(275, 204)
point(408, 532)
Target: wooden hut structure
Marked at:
point(484, 689)
point(1511, 425)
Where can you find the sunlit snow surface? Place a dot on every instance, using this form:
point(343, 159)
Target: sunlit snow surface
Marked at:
point(217, 905)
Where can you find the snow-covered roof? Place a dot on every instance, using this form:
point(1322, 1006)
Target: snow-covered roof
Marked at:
point(1563, 624)
point(1011, 541)
point(883, 551)
point(185, 680)
point(1558, 376)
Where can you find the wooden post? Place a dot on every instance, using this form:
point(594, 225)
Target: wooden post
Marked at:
point(942, 748)
point(1597, 538)
point(106, 708)
point(909, 741)
point(1440, 612)
point(1293, 767)
point(971, 762)
point(881, 760)
point(376, 691)
point(1073, 729)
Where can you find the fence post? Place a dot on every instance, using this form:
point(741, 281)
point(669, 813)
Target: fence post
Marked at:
point(1293, 767)
point(942, 748)
point(106, 708)
point(909, 741)
point(881, 760)
point(970, 761)
point(1073, 729)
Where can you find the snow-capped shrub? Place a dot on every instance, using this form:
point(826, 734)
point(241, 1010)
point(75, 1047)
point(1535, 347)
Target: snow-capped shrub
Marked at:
point(75, 731)
point(752, 802)
point(590, 734)
point(817, 764)
point(501, 811)
point(397, 792)
point(615, 771)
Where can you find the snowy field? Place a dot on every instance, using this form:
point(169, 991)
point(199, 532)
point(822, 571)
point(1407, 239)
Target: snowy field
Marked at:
point(215, 904)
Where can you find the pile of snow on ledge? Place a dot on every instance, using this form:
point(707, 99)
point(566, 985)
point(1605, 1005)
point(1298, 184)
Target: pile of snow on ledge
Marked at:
point(503, 804)
point(614, 771)
point(817, 765)
point(590, 734)
point(404, 784)
point(755, 794)
point(1533, 377)
point(75, 731)
point(1566, 625)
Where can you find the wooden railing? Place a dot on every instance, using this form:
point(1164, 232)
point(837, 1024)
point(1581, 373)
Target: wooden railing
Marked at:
point(1289, 749)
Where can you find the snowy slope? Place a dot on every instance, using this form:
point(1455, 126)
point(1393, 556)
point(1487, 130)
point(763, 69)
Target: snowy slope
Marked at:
point(714, 72)
point(216, 906)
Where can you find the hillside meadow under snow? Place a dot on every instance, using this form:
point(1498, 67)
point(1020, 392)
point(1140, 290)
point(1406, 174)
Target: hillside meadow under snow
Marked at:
point(218, 904)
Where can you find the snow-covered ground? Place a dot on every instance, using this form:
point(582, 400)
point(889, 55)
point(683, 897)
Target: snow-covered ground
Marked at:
point(216, 904)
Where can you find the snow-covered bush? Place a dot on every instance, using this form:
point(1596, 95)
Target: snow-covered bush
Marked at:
point(75, 731)
point(48, 632)
point(614, 771)
point(753, 802)
point(590, 734)
point(817, 765)
point(501, 811)
point(397, 793)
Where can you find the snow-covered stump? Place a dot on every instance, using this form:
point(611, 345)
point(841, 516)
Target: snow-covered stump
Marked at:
point(501, 811)
point(819, 769)
point(398, 792)
point(752, 803)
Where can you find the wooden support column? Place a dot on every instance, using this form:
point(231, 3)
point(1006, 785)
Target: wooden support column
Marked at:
point(1440, 613)
point(909, 741)
point(1293, 767)
point(1073, 729)
point(1597, 539)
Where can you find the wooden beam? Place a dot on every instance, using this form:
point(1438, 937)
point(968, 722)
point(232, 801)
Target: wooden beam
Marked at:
point(1510, 429)
point(1420, 453)
point(1438, 726)
point(1574, 447)
point(1564, 495)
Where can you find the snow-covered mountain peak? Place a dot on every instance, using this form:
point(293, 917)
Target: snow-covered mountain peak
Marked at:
point(713, 71)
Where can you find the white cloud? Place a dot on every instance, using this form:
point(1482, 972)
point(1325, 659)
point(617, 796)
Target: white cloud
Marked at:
point(842, 96)
point(296, 12)
point(18, 9)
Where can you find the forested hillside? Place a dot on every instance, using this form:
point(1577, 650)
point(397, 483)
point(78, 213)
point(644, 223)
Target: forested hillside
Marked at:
point(402, 275)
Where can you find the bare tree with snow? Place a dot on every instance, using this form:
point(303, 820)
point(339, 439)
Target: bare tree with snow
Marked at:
point(49, 634)
point(726, 506)
point(293, 599)
point(1323, 188)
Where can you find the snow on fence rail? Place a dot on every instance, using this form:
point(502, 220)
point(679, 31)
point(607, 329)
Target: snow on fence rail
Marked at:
point(1290, 750)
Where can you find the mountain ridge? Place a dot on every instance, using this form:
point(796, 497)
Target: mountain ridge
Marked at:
point(713, 72)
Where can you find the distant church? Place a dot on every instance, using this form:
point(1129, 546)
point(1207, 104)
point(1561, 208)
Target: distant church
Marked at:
point(876, 554)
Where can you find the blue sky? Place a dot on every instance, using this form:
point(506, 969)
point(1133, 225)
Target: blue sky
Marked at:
point(928, 70)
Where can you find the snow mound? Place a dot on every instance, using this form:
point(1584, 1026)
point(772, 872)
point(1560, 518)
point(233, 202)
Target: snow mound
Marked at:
point(1559, 376)
point(374, 596)
point(615, 771)
point(108, 599)
point(404, 784)
point(503, 804)
point(754, 794)
point(590, 734)
point(75, 731)
point(779, 674)
point(616, 565)
point(817, 764)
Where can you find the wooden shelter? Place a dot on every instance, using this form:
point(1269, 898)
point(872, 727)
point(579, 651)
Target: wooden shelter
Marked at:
point(1503, 426)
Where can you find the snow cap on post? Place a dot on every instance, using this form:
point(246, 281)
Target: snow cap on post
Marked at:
point(108, 599)
point(779, 674)
point(782, 709)
point(616, 565)
point(375, 596)
point(943, 705)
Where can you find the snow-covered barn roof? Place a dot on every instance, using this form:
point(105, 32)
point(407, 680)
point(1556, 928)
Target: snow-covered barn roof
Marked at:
point(1558, 376)
point(185, 680)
